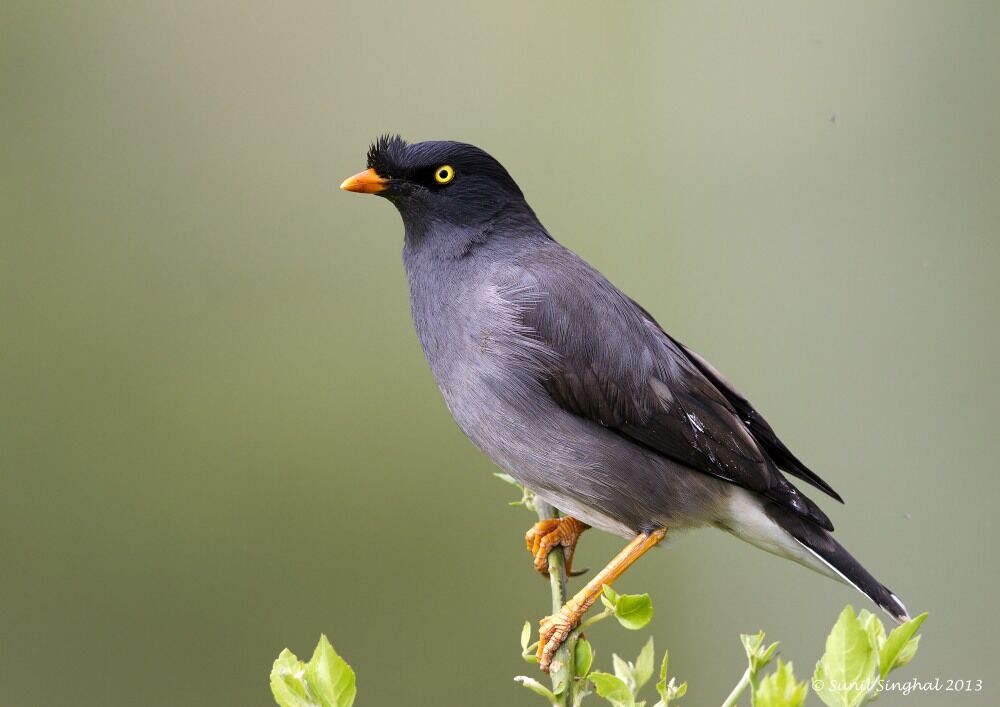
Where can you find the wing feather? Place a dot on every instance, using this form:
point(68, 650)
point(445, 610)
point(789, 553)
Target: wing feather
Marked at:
point(614, 365)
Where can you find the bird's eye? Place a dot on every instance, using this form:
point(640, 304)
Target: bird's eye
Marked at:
point(444, 174)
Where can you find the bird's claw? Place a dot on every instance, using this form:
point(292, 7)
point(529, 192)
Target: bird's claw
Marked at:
point(552, 633)
point(546, 535)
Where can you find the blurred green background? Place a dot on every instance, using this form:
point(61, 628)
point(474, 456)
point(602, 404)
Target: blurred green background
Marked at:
point(218, 435)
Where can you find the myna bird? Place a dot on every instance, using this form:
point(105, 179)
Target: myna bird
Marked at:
point(577, 392)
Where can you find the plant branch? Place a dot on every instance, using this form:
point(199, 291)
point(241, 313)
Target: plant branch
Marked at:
point(561, 672)
point(734, 696)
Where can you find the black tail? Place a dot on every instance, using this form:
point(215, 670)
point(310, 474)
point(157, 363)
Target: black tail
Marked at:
point(831, 553)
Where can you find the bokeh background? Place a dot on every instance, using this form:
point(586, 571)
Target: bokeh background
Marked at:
point(218, 435)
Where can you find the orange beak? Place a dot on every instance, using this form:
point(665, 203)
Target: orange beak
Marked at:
point(367, 182)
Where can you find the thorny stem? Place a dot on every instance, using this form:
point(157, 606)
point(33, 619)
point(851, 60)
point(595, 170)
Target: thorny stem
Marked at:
point(561, 672)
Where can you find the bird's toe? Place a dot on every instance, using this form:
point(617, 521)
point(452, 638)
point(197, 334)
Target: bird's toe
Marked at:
point(546, 535)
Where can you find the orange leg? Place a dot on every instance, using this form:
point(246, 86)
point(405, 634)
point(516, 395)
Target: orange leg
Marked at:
point(546, 535)
point(553, 630)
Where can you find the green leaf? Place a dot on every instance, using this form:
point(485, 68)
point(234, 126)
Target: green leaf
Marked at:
point(661, 684)
point(675, 692)
point(668, 690)
point(613, 689)
point(758, 654)
point(329, 677)
point(780, 689)
point(527, 497)
point(643, 668)
point(907, 654)
point(325, 681)
point(845, 672)
point(633, 611)
point(637, 674)
point(623, 671)
point(583, 657)
point(609, 597)
point(751, 643)
point(538, 688)
point(525, 636)
point(287, 685)
point(873, 627)
point(900, 646)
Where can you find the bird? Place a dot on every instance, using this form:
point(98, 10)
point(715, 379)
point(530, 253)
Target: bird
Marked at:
point(576, 391)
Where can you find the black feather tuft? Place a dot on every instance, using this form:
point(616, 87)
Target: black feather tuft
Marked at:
point(385, 155)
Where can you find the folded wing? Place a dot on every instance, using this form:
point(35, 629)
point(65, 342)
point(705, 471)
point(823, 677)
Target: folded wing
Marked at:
point(615, 366)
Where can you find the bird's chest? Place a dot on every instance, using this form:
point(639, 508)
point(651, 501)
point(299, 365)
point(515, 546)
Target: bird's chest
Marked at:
point(470, 335)
point(484, 361)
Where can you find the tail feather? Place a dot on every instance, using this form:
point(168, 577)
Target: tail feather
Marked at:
point(822, 546)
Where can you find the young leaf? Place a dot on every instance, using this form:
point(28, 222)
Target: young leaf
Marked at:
point(329, 677)
point(668, 690)
point(583, 657)
point(674, 691)
point(845, 672)
point(758, 654)
point(752, 643)
point(525, 636)
point(538, 688)
point(661, 684)
point(623, 671)
point(527, 497)
point(642, 671)
point(900, 646)
point(287, 685)
point(609, 597)
point(780, 689)
point(506, 478)
point(633, 611)
point(612, 689)
point(325, 681)
point(873, 627)
point(907, 653)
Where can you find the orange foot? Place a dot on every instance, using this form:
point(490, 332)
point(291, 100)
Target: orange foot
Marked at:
point(553, 631)
point(546, 535)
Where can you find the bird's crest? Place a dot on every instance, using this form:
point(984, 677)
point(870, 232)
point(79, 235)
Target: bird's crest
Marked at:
point(386, 154)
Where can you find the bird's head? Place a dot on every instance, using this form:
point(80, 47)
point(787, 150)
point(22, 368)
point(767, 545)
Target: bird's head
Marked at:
point(437, 182)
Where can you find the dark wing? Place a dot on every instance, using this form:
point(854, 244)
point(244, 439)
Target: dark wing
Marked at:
point(759, 427)
point(614, 365)
point(762, 432)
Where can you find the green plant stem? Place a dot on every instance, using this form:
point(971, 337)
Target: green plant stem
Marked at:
point(737, 692)
point(591, 621)
point(562, 663)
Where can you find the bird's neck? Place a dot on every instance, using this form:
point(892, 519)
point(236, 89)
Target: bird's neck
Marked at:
point(442, 240)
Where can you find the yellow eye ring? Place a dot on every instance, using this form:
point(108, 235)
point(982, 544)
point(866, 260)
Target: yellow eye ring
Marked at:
point(444, 174)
